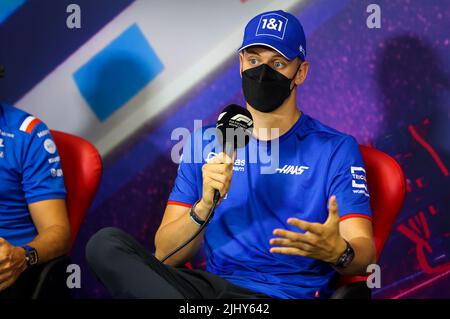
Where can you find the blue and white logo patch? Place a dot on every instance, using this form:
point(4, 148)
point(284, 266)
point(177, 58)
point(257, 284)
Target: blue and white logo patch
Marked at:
point(359, 181)
point(272, 24)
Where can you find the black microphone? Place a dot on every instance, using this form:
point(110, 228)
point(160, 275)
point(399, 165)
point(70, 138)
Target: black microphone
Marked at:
point(234, 129)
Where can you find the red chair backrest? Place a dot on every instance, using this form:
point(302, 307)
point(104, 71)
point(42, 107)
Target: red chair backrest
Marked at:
point(387, 187)
point(82, 167)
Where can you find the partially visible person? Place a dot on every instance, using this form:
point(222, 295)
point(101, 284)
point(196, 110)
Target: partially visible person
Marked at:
point(34, 226)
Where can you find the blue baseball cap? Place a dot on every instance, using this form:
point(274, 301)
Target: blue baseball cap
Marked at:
point(278, 30)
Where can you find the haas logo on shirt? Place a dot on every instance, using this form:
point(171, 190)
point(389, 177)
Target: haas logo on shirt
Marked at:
point(292, 169)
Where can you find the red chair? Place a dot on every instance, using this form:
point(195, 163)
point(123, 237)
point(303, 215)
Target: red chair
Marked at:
point(387, 187)
point(82, 167)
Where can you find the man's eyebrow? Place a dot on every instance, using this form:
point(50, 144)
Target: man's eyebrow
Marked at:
point(280, 56)
point(276, 55)
point(251, 51)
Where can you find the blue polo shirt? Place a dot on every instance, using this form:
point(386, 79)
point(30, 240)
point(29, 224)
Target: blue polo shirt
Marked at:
point(314, 162)
point(30, 171)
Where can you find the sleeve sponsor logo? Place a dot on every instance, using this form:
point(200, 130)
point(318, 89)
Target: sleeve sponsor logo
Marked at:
point(29, 124)
point(50, 146)
point(56, 172)
point(359, 182)
point(43, 133)
point(52, 160)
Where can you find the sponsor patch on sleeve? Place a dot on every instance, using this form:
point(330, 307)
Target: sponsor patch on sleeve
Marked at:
point(29, 124)
point(359, 183)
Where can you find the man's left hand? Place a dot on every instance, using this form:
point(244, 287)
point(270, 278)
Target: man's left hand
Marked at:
point(320, 241)
point(12, 263)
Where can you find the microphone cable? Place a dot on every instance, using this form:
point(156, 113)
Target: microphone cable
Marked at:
point(208, 218)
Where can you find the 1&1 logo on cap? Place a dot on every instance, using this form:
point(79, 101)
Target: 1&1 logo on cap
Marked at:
point(272, 24)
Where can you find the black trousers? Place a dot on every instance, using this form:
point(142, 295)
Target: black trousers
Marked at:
point(129, 271)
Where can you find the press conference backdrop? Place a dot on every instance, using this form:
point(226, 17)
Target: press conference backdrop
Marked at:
point(136, 70)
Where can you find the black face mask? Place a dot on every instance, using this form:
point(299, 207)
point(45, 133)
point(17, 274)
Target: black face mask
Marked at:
point(265, 89)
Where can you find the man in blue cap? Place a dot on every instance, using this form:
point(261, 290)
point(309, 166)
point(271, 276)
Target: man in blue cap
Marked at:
point(278, 235)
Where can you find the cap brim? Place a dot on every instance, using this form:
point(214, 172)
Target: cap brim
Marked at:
point(284, 51)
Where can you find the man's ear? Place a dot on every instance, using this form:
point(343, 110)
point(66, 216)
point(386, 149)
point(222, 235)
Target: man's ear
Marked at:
point(302, 73)
point(241, 61)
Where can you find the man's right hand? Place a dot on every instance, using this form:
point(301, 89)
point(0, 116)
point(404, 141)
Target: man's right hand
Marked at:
point(12, 263)
point(217, 175)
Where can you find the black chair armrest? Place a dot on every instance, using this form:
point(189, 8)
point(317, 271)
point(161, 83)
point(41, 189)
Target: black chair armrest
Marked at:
point(355, 290)
point(51, 283)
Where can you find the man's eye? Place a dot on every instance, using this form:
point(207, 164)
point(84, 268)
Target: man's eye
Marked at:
point(278, 64)
point(253, 61)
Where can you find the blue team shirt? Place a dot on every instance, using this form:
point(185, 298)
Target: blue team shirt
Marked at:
point(30, 171)
point(315, 162)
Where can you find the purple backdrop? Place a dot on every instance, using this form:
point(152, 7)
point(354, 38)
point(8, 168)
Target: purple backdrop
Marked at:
point(388, 87)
